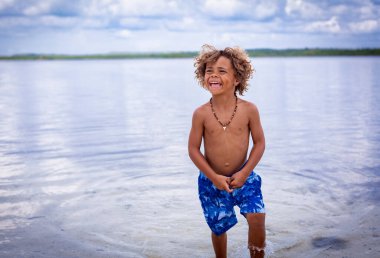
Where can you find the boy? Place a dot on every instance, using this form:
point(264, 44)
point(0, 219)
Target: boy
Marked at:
point(224, 123)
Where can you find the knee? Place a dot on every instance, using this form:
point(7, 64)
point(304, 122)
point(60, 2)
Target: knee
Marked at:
point(256, 220)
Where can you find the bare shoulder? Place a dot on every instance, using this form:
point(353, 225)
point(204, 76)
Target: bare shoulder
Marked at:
point(201, 110)
point(200, 113)
point(252, 113)
point(249, 107)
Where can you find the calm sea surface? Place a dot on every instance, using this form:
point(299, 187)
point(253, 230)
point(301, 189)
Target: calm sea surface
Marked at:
point(93, 155)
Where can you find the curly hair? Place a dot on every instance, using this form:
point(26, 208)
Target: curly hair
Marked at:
point(239, 59)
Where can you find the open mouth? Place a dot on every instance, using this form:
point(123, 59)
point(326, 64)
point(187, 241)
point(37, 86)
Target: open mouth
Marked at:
point(215, 85)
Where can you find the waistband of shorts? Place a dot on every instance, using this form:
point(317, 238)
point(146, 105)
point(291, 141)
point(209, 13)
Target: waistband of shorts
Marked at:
point(202, 175)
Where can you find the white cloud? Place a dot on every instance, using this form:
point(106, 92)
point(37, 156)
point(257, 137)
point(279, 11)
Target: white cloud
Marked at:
point(184, 24)
point(365, 26)
point(54, 21)
point(123, 33)
point(222, 8)
point(6, 3)
point(45, 21)
point(12, 22)
point(226, 37)
point(331, 25)
point(39, 8)
point(303, 9)
point(188, 21)
point(368, 10)
point(94, 23)
point(265, 9)
point(131, 22)
point(339, 9)
point(131, 8)
point(145, 25)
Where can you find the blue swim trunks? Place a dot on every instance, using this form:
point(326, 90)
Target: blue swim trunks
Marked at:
point(218, 205)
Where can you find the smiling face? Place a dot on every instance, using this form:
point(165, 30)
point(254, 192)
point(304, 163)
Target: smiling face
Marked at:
point(220, 77)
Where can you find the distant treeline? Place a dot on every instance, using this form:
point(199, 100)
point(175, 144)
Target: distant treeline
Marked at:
point(314, 52)
point(192, 54)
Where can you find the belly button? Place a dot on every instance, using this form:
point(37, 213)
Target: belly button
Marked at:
point(226, 164)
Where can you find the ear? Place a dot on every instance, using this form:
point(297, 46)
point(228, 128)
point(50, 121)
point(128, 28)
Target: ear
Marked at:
point(236, 83)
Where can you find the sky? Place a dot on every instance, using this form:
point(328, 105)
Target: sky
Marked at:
point(113, 26)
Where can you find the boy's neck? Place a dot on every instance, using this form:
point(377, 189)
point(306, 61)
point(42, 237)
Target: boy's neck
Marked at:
point(224, 100)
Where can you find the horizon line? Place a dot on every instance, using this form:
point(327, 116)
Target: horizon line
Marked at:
point(252, 52)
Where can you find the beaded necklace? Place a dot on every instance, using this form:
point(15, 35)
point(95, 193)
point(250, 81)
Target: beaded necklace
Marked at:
point(224, 125)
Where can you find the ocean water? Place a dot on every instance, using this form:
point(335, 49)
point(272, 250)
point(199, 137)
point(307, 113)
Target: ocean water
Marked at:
point(94, 163)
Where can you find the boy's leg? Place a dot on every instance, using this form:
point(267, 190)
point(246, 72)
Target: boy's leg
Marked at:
point(218, 209)
point(256, 234)
point(220, 245)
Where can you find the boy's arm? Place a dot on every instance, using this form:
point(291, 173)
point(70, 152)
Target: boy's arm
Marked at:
point(257, 133)
point(195, 140)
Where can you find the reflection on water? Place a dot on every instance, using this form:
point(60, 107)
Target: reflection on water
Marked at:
point(96, 152)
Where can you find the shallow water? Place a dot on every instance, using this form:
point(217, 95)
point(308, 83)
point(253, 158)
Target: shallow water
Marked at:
point(93, 155)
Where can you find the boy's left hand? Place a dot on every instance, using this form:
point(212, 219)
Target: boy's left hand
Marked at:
point(238, 179)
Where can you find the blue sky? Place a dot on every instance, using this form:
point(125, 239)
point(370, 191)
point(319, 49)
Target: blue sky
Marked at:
point(103, 26)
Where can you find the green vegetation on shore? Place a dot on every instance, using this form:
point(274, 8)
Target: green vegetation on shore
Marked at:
point(191, 54)
point(314, 52)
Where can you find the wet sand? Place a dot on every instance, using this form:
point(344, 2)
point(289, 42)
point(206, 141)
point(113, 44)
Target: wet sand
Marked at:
point(337, 220)
point(80, 227)
point(358, 237)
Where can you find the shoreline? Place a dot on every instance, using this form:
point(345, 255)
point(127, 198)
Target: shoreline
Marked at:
point(306, 52)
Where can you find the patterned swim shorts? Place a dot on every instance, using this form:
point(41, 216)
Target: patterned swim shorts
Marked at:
point(218, 205)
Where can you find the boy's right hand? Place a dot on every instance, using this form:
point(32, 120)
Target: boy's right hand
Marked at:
point(222, 183)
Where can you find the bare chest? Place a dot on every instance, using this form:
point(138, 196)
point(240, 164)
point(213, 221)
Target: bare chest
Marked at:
point(239, 127)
